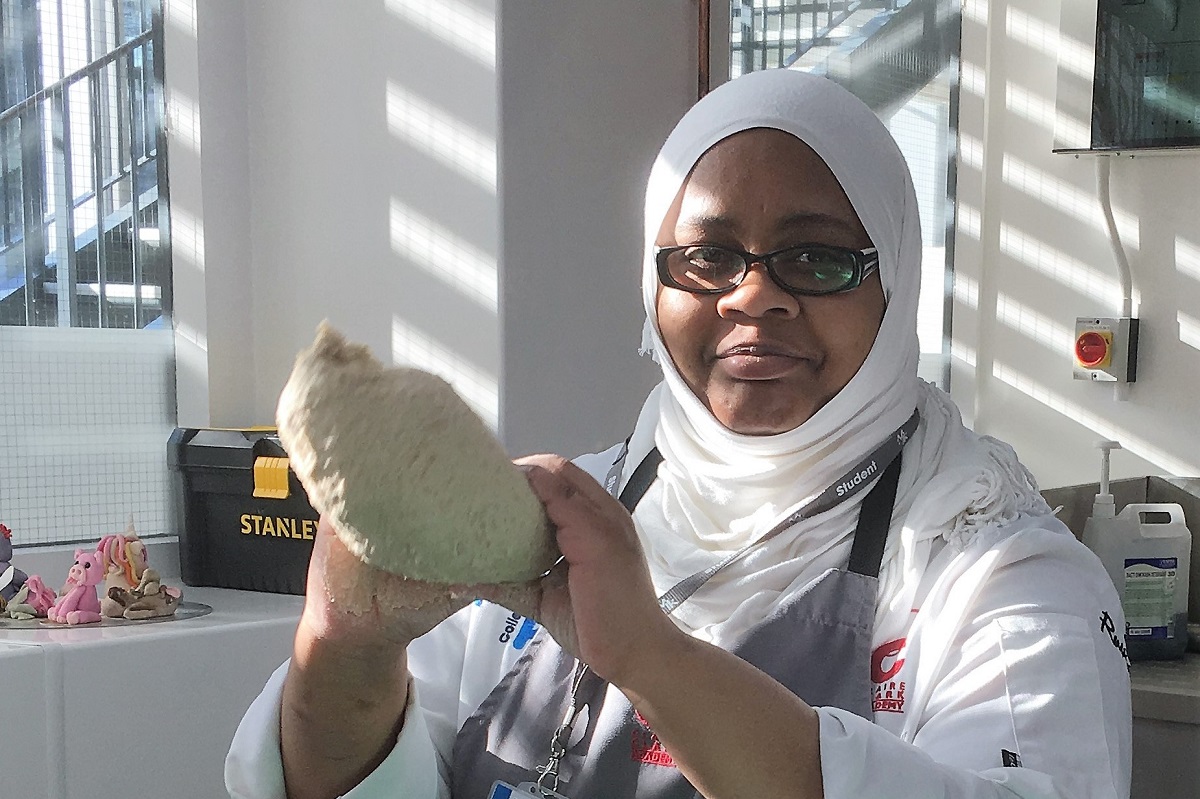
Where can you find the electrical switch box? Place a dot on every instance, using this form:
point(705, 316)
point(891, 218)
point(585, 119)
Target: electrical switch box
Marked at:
point(1106, 349)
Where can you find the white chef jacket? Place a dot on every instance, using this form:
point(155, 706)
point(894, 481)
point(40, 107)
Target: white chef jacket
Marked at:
point(1012, 663)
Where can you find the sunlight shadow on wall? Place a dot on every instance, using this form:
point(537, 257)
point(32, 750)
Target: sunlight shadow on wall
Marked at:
point(1036, 326)
point(458, 24)
point(966, 290)
point(1042, 112)
point(446, 256)
point(181, 14)
point(187, 238)
point(1061, 267)
point(1073, 55)
point(1189, 329)
point(1096, 424)
point(1067, 198)
point(970, 152)
point(445, 138)
point(973, 79)
point(970, 221)
point(183, 120)
point(480, 390)
point(1187, 258)
point(975, 11)
point(966, 293)
point(962, 352)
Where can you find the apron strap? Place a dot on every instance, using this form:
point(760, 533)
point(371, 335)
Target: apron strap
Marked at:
point(641, 479)
point(874, 521)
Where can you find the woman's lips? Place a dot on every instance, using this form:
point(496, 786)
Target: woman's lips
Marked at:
point(758, 363)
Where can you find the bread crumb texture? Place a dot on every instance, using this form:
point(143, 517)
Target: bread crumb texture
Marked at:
point(411, 478)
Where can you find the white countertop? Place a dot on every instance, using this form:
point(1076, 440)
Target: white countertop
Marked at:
point(86, 689)
point(230, 610)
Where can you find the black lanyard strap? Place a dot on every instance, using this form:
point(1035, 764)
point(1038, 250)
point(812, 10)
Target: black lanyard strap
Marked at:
point(640, 481)
point(874, 521)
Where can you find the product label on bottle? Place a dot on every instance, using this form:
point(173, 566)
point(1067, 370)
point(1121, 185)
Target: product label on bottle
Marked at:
point(1150, 597)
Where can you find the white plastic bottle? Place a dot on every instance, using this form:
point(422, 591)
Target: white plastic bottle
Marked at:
point(1146, 550)
point(1156, 569)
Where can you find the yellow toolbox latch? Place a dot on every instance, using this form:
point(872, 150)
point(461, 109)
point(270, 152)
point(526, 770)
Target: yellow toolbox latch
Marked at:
point(271, 478)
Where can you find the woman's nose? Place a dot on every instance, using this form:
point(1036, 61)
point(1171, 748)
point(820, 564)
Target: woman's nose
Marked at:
point(758, 295)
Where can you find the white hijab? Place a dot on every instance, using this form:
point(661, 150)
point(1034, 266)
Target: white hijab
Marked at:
point(717, 490)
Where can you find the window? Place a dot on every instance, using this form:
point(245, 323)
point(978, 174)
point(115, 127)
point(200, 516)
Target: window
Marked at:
point(86, 351)
point(901, 58)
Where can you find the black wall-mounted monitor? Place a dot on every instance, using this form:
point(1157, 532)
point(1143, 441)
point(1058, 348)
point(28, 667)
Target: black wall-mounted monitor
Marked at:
point(1146, 91)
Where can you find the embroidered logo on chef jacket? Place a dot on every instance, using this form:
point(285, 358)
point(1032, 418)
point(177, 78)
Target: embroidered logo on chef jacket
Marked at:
point(886, 663)
point(1109, 626)
point(646, 746)
point(518, 630)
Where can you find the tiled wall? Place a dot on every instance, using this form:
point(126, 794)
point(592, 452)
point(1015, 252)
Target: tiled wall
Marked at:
point(84, 419)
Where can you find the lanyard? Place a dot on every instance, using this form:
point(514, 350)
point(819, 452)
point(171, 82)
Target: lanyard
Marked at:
point(874, 519)
point(547, 781)
point(858, 477)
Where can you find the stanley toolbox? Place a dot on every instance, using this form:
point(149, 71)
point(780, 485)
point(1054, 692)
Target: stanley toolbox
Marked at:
point(242, 516)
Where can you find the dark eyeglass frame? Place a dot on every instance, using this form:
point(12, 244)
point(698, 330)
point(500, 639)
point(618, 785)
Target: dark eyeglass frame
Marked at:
point(866, 261)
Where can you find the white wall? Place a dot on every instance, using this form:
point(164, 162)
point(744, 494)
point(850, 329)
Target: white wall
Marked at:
point(589, 91)
point(366, 167)
point(1031, 256)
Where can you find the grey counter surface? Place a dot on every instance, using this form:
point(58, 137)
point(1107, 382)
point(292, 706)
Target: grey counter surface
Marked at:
point(1167, 690)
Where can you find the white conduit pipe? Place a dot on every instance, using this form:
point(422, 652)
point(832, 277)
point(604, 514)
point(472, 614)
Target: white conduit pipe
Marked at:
point(1103, 185)
point(1103, 174)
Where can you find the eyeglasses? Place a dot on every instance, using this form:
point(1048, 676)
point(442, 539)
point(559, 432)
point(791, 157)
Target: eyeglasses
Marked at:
point(805, 269)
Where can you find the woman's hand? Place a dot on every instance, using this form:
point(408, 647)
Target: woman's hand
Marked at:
point(347, 686)
point(603, 609)
point(732, 730)
point(348, 601)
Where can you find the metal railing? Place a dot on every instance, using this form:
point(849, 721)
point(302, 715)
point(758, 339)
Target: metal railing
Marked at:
point(882, 50)
point(777, 33)
point(88, 245)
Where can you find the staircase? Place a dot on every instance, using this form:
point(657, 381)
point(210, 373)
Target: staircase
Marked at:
point(883, 51)
point(82, 240)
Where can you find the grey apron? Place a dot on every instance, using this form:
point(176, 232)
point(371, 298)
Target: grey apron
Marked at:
point(817, 644)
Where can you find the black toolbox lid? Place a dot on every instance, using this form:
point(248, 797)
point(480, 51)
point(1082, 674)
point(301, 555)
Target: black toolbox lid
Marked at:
point(210, 448)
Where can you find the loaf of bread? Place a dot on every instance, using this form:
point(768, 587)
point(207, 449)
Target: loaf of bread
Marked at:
point(412, 480)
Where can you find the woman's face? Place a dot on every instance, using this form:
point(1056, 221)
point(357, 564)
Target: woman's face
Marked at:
point(761, 359)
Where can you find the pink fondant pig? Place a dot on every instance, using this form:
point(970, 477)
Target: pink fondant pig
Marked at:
point(78, 603)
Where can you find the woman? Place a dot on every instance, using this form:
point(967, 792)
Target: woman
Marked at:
point(908, 618)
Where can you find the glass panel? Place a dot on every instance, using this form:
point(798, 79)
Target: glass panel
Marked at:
point(862, 44)
point(1147, 81)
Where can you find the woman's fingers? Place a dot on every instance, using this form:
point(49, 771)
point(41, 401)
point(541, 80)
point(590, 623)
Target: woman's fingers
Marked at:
point(609, 599)
point(578, 506)
point(576, 478)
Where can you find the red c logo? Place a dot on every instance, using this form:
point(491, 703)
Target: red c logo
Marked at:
point(889, 650)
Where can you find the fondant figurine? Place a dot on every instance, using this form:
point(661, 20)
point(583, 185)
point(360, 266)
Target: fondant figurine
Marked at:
point(11, 578)
point(34, 600)
point(79, 603)
point(124, 560)
point(149, 600)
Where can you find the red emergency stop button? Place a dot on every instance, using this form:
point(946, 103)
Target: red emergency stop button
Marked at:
point(1092, 349)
